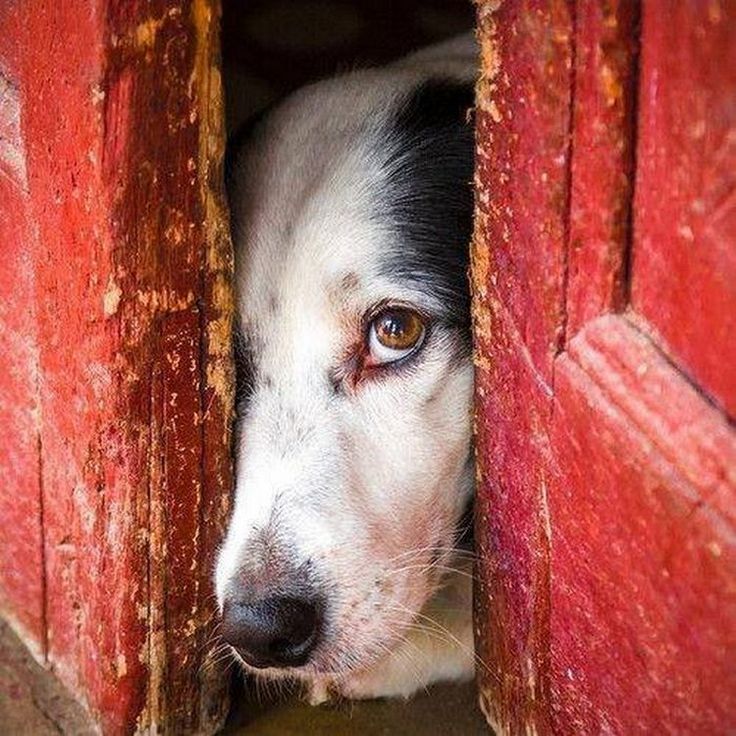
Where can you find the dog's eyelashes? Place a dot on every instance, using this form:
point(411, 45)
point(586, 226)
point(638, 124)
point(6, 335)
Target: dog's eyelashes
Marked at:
point(394, 334)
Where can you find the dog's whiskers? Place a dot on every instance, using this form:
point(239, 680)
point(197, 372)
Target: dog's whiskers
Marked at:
point(429, 567)
point(452, 638)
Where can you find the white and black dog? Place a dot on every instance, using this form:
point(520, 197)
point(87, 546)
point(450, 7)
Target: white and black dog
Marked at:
point(351, 202)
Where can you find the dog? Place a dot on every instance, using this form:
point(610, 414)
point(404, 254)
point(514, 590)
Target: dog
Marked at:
point(344, 565)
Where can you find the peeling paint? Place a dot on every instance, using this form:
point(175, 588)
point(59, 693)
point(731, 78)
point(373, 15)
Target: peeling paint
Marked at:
point(144, 35)
point(166, 299)
point(12, 151)
point(121, 666)
point(111, 297)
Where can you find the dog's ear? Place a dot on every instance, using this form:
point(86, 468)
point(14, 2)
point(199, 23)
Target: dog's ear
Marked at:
point(436, 108)
point(429, 172)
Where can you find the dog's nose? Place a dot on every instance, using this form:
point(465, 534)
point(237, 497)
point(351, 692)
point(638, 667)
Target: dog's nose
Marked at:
point(272, 632)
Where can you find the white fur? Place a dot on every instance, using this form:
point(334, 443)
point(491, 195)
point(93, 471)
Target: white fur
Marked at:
point(362, 485)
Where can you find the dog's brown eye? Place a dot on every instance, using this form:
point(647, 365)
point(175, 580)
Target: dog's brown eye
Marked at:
point(398, 329)
point(395, 333)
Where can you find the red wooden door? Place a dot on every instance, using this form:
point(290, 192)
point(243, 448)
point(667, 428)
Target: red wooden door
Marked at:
point(114, 351)
point(604, 269)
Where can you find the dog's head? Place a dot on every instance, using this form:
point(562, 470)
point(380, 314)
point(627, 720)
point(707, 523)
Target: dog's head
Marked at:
point(352, 215)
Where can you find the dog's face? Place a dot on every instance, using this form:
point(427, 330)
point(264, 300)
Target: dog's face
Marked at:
point(352, 211)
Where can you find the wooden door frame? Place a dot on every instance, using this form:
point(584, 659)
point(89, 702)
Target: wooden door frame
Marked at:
point(589, 622)
point(127, 260)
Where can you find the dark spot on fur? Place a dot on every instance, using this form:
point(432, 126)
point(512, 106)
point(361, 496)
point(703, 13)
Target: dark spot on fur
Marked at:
point(350, 282)
point(435, 395)
point(334, 377)
point(386, 586)
point(464, 529)
point(245, 368)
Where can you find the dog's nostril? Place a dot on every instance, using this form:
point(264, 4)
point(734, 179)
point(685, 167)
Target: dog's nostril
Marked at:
point(273, 632)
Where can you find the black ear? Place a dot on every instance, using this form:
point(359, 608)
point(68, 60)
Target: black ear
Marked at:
point(429, 193)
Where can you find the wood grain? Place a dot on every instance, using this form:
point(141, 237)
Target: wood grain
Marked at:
point(684, 259)
point(123, 137)
point(522, 171)
point(606, 47)
point(644, 550)
point(605, 523)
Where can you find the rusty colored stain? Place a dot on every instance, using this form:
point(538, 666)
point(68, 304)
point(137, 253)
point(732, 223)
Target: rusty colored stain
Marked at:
point(220, 377)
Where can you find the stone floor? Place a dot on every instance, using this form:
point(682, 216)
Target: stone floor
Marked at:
point(447, 710)
point(33, 703)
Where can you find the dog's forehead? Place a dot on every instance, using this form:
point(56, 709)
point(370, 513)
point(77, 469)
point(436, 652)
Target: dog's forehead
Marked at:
point(343, 184)
point(310, 237)
point(323, 260)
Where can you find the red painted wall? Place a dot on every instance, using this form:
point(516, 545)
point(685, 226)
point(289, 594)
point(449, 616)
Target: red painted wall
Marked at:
point(603, 266)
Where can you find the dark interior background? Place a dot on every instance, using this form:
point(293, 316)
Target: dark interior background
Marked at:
point(271, 47)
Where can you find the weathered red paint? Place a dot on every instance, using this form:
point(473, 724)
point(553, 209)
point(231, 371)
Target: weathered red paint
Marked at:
point(21, 586)
point(643, 554)
point(126, 359)
point(606, 486)
point(523, 103)
point(684, 260)
point(602, 159)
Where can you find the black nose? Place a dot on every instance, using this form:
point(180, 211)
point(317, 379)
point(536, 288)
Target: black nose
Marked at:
point(272, 632)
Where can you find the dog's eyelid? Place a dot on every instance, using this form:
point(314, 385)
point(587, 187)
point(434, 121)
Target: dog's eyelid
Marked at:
point(386, 304)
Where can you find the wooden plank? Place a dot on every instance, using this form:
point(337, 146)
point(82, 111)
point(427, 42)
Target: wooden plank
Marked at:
point(684, 260)
point(605, 510)
point(21, 508)
point(122, 127)
point(518, 268)
point(602, 158)
point(644, 544)
point(22, 595)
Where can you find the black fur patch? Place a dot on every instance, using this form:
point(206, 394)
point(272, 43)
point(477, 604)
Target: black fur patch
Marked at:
point(429, 196)
point(245, 369)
